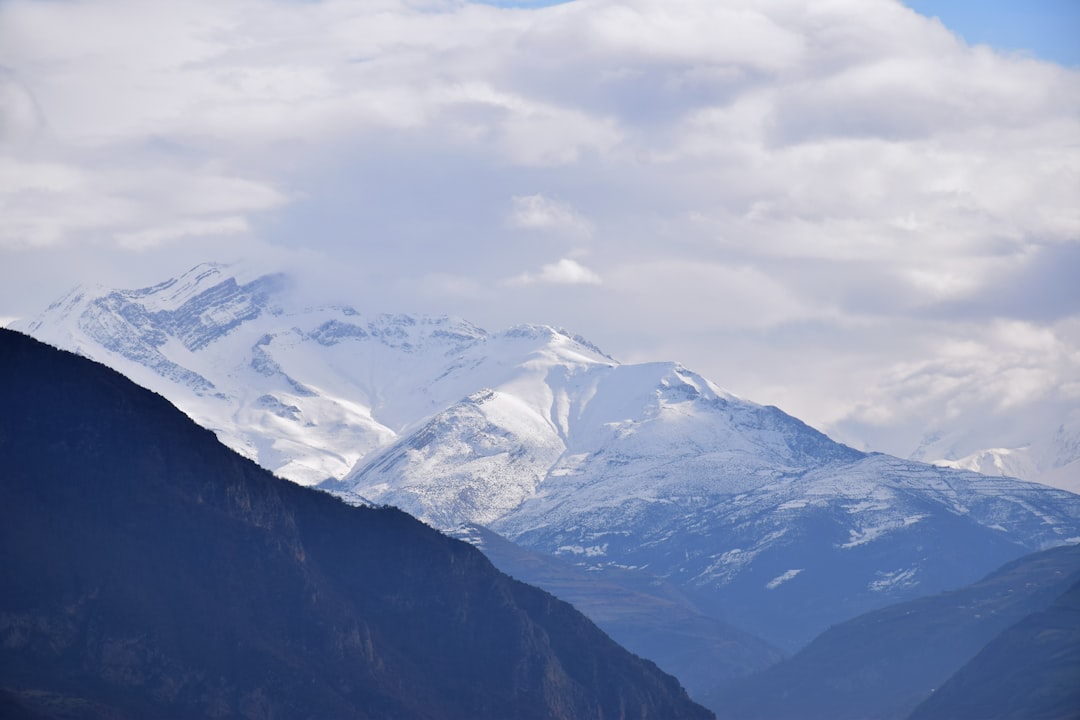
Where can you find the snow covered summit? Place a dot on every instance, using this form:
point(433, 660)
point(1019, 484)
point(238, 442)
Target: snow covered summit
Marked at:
point(540, 436)
point(305, 391)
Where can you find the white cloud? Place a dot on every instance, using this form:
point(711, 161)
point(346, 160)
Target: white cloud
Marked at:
point(18, 177)
point(1001, 380)
point(844, 182)
point(20, 118)
point(149, 237)
point(702, 296)
point(563, 272)
point(52, 203)
point(539, 212)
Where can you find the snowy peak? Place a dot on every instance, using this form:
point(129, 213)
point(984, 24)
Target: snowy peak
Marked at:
point(1051, 457)
point(172, 294)
point(558, 342)
point(194, 316)
point(539, 435)
point(488, 451)
point(431, 413)
point(59, 314)
point(307, 391)
point(407, 333)
point(197, 308)
point(560, 430)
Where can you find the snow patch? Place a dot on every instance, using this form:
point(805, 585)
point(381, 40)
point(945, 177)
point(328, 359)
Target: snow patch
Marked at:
point(783, 578)
point(895, 579)
point(862, 536)
point(591, 551)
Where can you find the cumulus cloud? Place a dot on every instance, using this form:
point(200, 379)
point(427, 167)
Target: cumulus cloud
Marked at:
point(52, 203)
point(845, 182)
point(539, 212)
point(563, 272)
point(149, 237)
point(1009, 380)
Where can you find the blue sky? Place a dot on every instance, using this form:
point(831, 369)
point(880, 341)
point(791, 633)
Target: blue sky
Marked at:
point(1048, 28)
point(835, 207)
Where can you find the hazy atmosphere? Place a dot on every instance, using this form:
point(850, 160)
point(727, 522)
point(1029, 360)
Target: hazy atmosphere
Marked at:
point(862, 214)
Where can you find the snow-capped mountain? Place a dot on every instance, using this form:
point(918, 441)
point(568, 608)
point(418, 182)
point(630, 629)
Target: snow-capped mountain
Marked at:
point(149, 573)
point(304, 391)
point(567, 424)
point(1050, 455)
point(758, 518)
point(538, 435)
point(1036, 438)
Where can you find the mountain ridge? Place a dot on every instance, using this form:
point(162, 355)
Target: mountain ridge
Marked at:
point(761, 520)
point(884, 664)
point(151, 572)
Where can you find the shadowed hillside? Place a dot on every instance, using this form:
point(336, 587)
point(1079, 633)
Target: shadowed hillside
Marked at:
point(881, 665)
point(151, 572)
point(1029, 672)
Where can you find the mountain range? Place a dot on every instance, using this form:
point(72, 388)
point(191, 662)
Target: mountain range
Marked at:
point(888, 663)
point(151, 572)
point(1051, 457)
point(650, 471)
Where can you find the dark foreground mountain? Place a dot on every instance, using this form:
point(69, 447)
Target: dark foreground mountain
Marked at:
point(150, 572)
point(881, 665)
point(648, 615)
point(1029, 672)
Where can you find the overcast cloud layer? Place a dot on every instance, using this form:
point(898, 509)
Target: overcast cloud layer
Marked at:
point(837, 207)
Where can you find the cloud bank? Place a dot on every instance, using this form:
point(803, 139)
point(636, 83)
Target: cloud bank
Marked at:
point(837, 206)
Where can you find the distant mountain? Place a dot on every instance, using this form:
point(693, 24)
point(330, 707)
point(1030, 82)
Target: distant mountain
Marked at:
point(150, 572)
point(1034, 438)
point(755, 518)
point(1051, 457)
point(881, 665)
point(1029, 672)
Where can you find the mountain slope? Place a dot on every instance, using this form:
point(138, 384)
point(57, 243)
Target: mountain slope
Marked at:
point(1029, 672)
point(150, 572)
point(304, 391)
point(879, 666)
point(789, 558)
point(645, 614)
point(758, 519)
